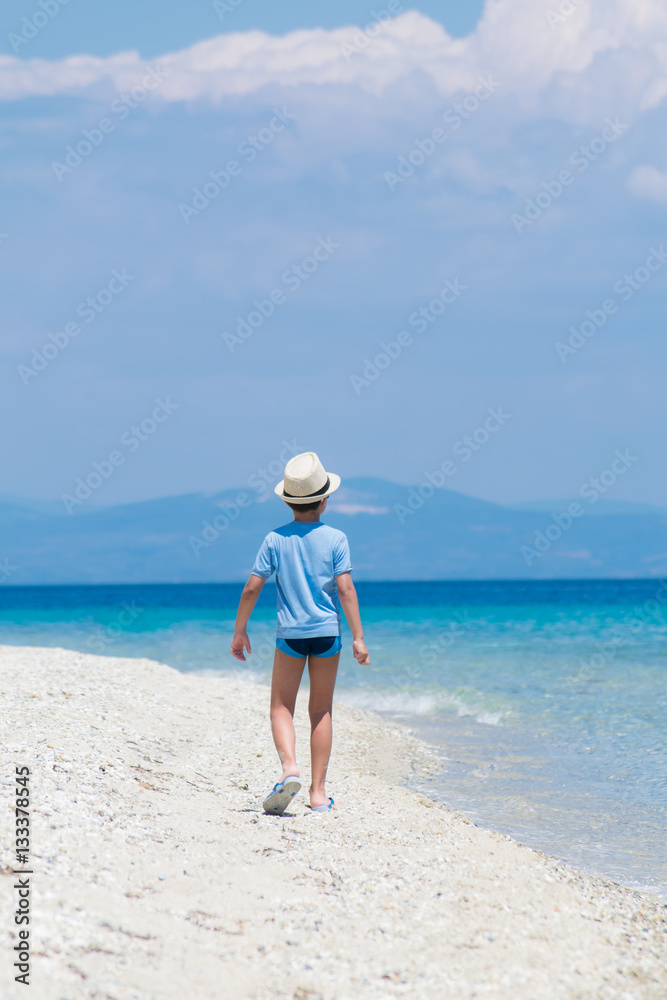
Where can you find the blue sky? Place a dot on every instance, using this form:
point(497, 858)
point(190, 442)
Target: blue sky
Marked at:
point(153, 27)
point(522, 161)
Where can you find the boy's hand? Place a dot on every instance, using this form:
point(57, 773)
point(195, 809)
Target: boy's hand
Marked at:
point(360, 652)
point(239, 643)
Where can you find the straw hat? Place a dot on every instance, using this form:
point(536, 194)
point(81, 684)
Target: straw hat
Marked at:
point(305, 480)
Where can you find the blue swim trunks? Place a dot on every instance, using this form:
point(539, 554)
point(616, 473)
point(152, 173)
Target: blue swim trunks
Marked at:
point(318, 645)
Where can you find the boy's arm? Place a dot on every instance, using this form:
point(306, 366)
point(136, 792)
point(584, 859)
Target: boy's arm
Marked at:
point(251, 592)
point(350, 605)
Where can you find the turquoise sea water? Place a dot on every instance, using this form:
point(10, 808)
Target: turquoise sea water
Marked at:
point(546, 700)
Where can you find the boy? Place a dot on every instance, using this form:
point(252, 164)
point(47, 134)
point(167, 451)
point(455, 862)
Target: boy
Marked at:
point(312, 565)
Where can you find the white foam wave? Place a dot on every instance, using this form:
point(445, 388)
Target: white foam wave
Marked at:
point(440, 702)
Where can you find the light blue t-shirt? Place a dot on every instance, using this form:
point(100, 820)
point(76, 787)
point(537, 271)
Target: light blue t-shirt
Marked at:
point(306, 558)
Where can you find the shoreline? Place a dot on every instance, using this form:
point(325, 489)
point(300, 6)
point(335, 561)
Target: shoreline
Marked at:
point(613, 866)
point(157, 875)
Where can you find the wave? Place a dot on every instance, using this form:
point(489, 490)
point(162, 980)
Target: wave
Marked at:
point(468, 704)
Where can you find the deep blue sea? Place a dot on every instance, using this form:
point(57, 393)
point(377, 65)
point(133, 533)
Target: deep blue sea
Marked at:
point(546, 700)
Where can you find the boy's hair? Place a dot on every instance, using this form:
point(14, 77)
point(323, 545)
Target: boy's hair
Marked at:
point(304, 506)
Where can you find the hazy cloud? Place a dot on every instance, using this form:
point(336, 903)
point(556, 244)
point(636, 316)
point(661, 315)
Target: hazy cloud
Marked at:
point(648, 182)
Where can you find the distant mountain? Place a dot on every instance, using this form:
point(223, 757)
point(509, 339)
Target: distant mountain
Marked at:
point(43, 506)
point(396, 533)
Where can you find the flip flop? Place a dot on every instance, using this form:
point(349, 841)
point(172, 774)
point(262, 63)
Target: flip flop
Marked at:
point(281, 795)
point(323, 808)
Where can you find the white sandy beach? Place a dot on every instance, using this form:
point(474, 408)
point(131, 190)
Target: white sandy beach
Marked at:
point(157, 875)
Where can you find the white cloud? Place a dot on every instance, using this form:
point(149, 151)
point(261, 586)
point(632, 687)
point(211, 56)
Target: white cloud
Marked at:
point(648, 182)
point(357, 508)
point(609, 57)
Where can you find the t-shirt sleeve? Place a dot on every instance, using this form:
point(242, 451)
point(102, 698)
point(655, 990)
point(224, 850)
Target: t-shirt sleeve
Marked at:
point(264, 564)
point(341, 556)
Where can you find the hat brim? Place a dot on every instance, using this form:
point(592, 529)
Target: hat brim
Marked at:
point(334, 483)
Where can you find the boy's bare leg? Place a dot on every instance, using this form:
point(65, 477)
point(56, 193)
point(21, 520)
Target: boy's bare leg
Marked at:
point(322, 671)
point(287, 671)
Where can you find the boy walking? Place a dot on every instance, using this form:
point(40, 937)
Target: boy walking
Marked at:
point(312, 565)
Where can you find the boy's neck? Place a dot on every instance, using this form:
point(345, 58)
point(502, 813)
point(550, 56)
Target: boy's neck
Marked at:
point(307, 517)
